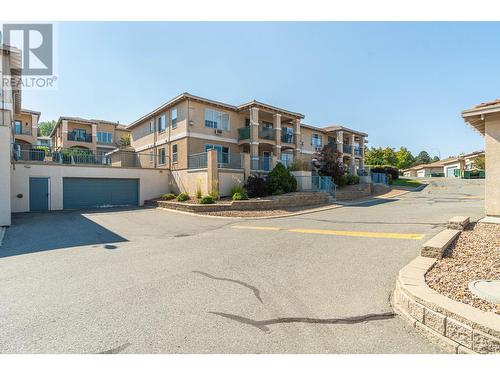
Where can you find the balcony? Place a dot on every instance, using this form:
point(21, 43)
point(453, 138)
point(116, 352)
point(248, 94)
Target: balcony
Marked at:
point(264, 163)
point(79, 137)
point(22, 131)
point(357, 151)
point(266, 133)
point(243, 133)
point(287, 138)
point(347, 149)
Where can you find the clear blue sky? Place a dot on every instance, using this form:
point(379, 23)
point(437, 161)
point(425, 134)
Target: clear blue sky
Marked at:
point(404, 84)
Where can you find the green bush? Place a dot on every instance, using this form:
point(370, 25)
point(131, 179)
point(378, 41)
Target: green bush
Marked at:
point(281, 180)
point(278, 192)
point(207, 199)
point(215, 195)
point(387, 169)
point(300, 165)
point(341, 180)
point(240, 196)
point(351, 179)
point(182, 197)
point(167, 197)
point(237, 189)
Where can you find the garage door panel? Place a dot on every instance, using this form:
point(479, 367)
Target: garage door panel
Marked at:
point(99, 192)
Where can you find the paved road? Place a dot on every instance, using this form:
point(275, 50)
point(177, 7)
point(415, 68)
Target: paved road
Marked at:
point(152, 281)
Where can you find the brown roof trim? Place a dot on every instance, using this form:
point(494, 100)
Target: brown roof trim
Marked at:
point(255, 103)
point(87, 122)
point(29, 111)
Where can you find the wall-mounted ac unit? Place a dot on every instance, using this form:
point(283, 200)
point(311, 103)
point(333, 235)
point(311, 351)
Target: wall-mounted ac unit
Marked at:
point(218, 131)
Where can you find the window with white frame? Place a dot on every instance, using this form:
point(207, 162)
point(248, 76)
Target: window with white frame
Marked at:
point(161, 156)
point(316, 140)
point(104, 137)
point(151, 126)
point(222, 152)
point(174, 118)
point(162, 123)
point(174, 153)
point(216, 119)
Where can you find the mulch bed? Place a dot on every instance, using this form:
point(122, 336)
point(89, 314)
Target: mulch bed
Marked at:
point(474, 255)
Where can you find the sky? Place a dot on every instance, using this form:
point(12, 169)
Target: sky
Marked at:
point(404, 83)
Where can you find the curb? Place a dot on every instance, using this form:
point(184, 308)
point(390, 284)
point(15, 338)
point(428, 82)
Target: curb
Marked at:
point(2, 234)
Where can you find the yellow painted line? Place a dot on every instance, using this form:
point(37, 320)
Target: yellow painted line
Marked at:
point(473, 197)
point(254, 228)
point(405, 236)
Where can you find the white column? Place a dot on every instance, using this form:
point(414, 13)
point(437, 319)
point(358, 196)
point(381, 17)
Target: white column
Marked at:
point(298, 139)
point(254, 135)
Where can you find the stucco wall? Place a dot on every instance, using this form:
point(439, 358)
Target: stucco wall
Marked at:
point(153, 183)
point(228, 179)
point(188, 181)
point(492, 148)
point(5, 135)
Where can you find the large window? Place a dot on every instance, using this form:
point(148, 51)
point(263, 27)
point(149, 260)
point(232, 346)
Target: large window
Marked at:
point(216, 120)
point(161, 156)
point(174, 118)
point(316, 140)
point(151, 126)
point(174, 153)
point(104, 137)
point(18, 127)
point(162, 123)
point(222, 152)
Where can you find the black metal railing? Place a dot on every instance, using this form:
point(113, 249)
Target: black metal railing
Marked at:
point(243, 133)
point(287, 138)
point(78, 137)
point(266, 133)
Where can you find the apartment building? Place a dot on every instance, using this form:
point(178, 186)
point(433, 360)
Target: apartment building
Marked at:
point(178, 134)
point(95, 135)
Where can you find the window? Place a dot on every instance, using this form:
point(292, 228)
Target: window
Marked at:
point(222, 152)
point(161, 156)
point(151, 126)
point(216, 120)
point(174, 153)
point(161, 123)
point(316, 140)
point(151, 157)
point(174, 118)
point(267, 125)
point(18, 127)
point(104, 137)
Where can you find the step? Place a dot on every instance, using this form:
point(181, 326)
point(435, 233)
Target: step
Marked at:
point(458, 222)
point(437, 245)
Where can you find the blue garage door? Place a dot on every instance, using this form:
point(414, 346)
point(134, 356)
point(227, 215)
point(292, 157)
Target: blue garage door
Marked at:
point(99, 192)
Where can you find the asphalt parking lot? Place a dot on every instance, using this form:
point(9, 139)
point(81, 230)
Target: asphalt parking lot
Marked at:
point(155, 281)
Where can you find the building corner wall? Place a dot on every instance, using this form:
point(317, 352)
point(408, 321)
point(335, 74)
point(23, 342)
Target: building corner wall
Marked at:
point(5, 209)
point(492, 183)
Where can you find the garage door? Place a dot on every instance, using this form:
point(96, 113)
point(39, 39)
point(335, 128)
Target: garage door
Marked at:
point(450, 171)
point(99, 192)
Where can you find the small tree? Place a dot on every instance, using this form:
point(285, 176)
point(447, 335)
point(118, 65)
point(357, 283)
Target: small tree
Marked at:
point(404, 158)
point(281, 180)
point(330, 163)
point(125, 141)
point(479, 162)
point(46, 127)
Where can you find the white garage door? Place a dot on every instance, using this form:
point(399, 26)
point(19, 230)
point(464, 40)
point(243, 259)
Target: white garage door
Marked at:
point(450, 171)
point(421, 173)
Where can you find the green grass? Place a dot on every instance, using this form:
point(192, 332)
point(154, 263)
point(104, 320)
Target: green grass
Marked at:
point(406, 182)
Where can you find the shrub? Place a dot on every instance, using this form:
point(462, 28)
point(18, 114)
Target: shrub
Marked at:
point(237, 189)
point(240, 196)
point(167, 197)
point(182, 197)
point(207, 199)
point(198, 191)
point(351, 179)
point(300, 165)
point(278, 192)
point(281, 180)
point(341, 180)
point(215, 195)
point(257, 186)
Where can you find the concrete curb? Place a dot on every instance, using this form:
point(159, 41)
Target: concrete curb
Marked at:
point(455, 326)
point(2, 234)
point(437, 245)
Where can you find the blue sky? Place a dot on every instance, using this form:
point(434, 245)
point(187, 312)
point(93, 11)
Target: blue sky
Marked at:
point(404, 84)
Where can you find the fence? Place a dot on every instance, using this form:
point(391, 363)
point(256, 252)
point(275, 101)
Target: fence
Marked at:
point(379, 178)
point(227, 161)
point(196, 161)
point(316, 183)
point(263, 163)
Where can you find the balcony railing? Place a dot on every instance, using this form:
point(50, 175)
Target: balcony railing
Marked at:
point(225, 161)
point(75, 137)
point(347, 149)
point(357, 151)
point(266, 133)
point(73, 156)
point(243, 133)
point(287, 138)
point(264, 163)
point(196, 161)
point(22, 131)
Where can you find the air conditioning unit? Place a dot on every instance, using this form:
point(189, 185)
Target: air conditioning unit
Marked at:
point(218, 131)
point(318, 148)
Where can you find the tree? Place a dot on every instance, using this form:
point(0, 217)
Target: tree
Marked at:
point(374, 156)
point(330, 163)
point(404, 158)
point(390, 157)
point(435, 158)
point(46, 127)
point(422, 158)
point(479, 162)
point(125, 141)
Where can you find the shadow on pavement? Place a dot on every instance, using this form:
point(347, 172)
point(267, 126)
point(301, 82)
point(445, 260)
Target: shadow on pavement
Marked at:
point(371, 202)
point(36, 232)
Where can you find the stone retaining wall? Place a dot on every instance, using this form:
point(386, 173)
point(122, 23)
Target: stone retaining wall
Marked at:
point(276, 202)
point(455, 326)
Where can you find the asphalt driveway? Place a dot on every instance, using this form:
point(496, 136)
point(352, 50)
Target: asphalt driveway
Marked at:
point(154, 281)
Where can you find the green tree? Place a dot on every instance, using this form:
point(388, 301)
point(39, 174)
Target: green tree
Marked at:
point(435, 158)
point(374, 156)
point(390, 157)
point(404, 158)
point(125, 141)
point(479, 162)
point(46, 127)
point(422, 158)
point(330, 163)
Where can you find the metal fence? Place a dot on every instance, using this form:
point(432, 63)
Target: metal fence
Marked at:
point(263, 164)
point(316, 183)
point(379, 178)
point(196, 161)
point(231, 161)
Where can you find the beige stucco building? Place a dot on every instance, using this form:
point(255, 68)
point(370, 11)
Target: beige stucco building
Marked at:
point(97, 135)
point(178, 134)
point(485, 118)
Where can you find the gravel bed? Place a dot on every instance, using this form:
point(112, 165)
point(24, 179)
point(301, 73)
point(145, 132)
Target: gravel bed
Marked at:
point(474, 255)
point(263, 213)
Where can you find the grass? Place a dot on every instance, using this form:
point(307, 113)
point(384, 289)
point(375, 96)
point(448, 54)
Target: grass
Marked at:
point(406, 182)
